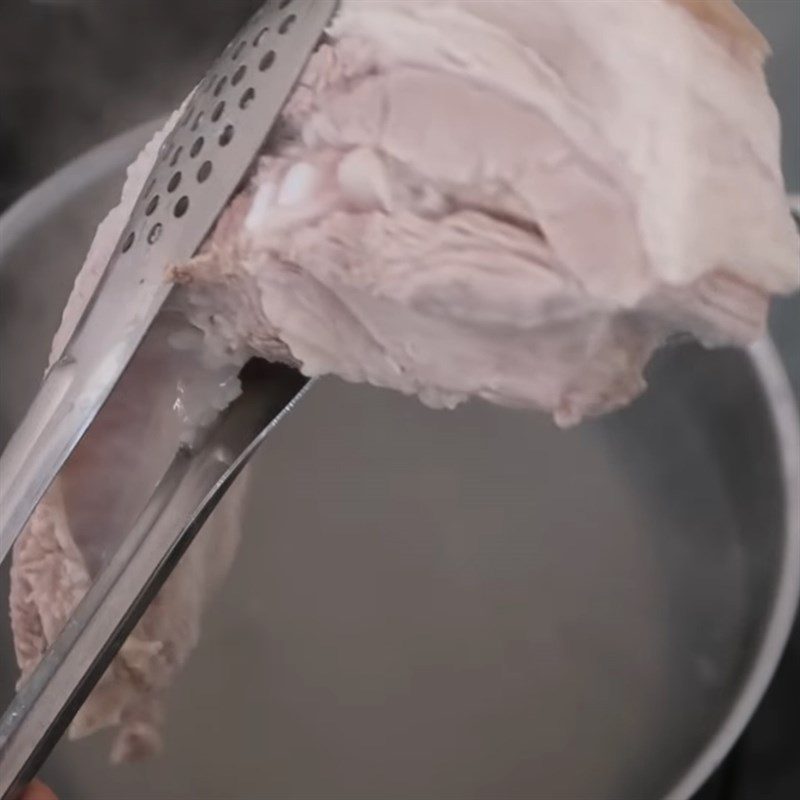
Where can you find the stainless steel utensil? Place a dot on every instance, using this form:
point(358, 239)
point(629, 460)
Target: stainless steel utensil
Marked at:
point(222, 127)
point(224, 124)
point(185, 497)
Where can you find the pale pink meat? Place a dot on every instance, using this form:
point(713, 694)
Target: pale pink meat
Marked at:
point(505, 200)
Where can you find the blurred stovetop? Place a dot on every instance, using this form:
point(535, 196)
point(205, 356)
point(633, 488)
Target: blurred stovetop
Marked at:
point(74, 72)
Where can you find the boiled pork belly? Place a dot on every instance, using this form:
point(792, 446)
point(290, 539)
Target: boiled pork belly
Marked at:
point(505, 200)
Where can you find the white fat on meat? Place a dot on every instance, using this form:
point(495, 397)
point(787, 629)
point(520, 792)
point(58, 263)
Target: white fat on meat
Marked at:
point(513, 201)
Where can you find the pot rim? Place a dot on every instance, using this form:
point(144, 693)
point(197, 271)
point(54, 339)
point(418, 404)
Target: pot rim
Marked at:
point(115, 154)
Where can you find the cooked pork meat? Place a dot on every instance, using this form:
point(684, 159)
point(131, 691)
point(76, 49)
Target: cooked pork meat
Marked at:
point(506, 200)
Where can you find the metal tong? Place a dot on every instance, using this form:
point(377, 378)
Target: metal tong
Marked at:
point(224, 125)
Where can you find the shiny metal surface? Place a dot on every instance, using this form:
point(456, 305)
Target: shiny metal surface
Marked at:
point(468, 604)
point(203, 158)
point(184, 499)
point(224, 124)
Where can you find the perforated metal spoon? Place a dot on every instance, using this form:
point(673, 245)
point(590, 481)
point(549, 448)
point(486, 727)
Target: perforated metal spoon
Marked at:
point(202, 160)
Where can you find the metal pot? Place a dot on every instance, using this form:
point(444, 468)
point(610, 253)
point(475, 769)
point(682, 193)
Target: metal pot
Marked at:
point(460, 604)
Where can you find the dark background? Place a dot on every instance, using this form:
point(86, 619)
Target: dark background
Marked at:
point(74, 72)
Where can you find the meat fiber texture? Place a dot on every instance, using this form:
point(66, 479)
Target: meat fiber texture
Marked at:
point(518, 201)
